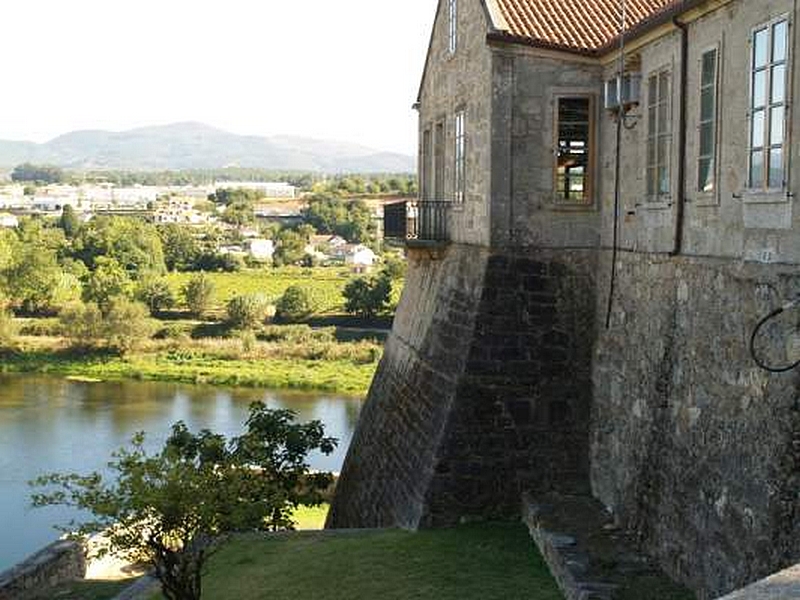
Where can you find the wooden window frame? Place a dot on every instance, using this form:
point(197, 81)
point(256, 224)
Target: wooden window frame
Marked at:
point(591, 171)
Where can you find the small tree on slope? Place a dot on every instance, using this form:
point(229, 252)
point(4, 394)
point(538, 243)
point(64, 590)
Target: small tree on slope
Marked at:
point(170, 509)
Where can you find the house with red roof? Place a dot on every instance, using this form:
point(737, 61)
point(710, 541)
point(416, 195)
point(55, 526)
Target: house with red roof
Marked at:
point(606, 237)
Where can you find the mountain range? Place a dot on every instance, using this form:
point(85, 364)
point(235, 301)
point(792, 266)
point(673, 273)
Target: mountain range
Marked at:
point(198, 146)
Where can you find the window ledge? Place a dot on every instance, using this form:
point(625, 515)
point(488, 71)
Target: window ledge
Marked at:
point(765, 196)
point(663, 204)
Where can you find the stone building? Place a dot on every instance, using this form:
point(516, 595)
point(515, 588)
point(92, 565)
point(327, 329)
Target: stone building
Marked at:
point(603, 220)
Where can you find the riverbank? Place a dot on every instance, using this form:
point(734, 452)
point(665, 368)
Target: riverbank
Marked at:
point(339, 367)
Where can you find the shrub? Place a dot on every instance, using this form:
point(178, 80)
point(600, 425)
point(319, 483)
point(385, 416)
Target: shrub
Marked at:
point(367, 297)
point(156, 294)
point(295, 305)
point(123, 327)
point(82, 323)
point(199, 294)
point(127, 324)
point(8, 329)
point(247, 311)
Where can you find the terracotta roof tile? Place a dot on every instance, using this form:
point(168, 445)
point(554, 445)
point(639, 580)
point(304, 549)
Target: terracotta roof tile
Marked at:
point(584, 25)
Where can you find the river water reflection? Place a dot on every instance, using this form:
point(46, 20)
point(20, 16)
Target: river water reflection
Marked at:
point(55, 425)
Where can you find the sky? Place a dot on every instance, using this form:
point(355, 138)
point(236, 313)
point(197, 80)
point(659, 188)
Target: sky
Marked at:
point(344, 70)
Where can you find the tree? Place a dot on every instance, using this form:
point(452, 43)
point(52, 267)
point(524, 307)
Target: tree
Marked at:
point(351, 220)
point(367, 297)
point(126, 325)
point(199, 294)
point(155, 292)
point(69, 222)
point(181, 248)
point(134, 244)
point(170, 509)
point(109, 280)
point(295, 305)
point(247, 311)
point(290, 248)
point(32, 279)
point(239, 213)
point(43, 174)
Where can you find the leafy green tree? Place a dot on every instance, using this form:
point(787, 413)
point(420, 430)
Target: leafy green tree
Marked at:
point(367, 297)
point(134, 244)
point(247, 311)
point(295, 305)
point(81, 323)
point(126, 325)
point(351, 220)
point(170, 509)
point(395, 266)
point(199, 294)
point(108, 280)
point(155, 293)
point(239, 213)
point(69, 222)
point(181, 247)
point(228, 196)
point(43, 174)
point(32, 279)
point(290, 248)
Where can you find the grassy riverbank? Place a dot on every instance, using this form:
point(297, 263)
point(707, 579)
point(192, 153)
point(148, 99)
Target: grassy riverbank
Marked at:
point(328, 366)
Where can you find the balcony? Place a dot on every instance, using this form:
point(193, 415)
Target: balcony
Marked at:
point(417, 222)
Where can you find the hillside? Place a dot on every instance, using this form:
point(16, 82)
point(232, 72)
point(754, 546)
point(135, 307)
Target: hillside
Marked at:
point(199, 146)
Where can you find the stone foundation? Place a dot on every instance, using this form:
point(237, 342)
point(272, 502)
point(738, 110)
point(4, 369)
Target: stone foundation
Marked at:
point(484, 391)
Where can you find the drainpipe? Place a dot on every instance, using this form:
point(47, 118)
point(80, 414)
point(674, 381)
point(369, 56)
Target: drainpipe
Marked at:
point(677, 247)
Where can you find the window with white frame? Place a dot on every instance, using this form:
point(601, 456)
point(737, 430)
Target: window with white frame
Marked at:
point(707, 130)
point(460, 156)
point(659, 136)
point(452, 31)
point(768, 97)
point(438, 162)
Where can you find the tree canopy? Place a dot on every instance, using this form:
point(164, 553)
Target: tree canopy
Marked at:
point(168, 509)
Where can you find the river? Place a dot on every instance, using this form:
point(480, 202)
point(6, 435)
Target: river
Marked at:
point(55, 425)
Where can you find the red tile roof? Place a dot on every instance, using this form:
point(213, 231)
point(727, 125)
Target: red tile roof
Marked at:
point(578, 25)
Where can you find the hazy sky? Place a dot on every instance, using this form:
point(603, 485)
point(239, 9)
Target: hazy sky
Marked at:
point(334, 69)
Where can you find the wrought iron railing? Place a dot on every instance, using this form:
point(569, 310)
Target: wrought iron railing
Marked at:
point(420, 220)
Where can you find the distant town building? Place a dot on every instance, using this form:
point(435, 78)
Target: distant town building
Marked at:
point(8, 220)
point(261, 249)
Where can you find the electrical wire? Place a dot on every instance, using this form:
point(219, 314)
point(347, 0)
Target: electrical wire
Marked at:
point(757, 330)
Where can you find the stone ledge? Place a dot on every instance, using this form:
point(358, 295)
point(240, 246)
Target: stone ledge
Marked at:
point(781, 586)
point(60, 562)
point(589, 558)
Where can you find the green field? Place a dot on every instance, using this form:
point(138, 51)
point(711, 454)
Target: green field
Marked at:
point(324, 283)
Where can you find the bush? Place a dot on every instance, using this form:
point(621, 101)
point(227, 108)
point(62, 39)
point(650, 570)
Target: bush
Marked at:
point(367, 297)
point(123, 327)
point(295, 305)
point(199, 294)
point(297, 334)
point(127, 324)
point(82, 323)
point(8, 330)
point(156, 294)
point(247, 311)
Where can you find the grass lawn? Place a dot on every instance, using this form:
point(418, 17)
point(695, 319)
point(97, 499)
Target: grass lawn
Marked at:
point(87, 590)
point(492, 561)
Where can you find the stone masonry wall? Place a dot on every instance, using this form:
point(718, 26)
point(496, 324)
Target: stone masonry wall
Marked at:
point(55, 564)
point(484, 401)
point(694, 447)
